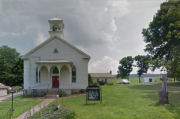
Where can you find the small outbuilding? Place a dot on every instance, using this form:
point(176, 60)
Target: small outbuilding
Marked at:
point(3, 90)
point(147, 78)
point(107, 77)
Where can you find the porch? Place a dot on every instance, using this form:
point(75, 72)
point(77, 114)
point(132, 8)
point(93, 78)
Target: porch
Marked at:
point(54, 75)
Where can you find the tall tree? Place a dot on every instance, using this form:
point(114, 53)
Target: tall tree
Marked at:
point(90, 80)
point(8, 61)
point(125, 67)
point(142, 62)
point(163, 32)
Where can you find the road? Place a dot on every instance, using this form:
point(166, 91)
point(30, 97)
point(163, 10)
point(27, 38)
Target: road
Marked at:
point(10, 95)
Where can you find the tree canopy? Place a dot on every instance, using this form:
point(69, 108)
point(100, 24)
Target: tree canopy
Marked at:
point(163, 32)
point(125, 67)
point(11, 66)
point(142, 62)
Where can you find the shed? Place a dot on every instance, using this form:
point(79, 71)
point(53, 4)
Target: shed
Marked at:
point(3, 90)
point(147, 78)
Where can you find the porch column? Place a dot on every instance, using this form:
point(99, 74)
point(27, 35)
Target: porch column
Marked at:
point(70, 70)
point(59, 68)
point(38, 75)
point(48, 75)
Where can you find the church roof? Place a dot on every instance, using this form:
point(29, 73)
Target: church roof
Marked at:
point(55, 61)
point(51, 38)
point(101, 75)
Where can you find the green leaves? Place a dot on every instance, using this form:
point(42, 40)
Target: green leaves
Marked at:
point(125, 67)
point(164, 29)
point(11, 66)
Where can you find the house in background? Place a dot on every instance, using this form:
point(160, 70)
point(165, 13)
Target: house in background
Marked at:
point(3, 90)
point(107, 77)
point(147, 78)
point(55, 64)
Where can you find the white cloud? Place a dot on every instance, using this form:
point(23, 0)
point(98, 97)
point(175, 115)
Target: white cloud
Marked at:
point(41, 38)
point(106, 64)
point(12, 33)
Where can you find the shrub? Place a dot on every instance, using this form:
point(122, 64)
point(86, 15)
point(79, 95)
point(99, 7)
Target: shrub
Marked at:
point(90, 80)
point(111, 83)
point(50, 112)
point(95, 84)
point(82, 91)
point(8, 91)
point(62, 94)
point(102, 82)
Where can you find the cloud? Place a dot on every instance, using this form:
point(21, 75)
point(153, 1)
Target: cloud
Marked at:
point(106, 64)
point(12, 33)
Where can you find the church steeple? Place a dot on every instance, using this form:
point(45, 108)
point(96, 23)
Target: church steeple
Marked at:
point(56, 27)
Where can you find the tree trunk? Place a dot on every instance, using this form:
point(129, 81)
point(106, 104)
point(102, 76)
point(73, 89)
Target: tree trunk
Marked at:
point(174, 79)
point(139, 79)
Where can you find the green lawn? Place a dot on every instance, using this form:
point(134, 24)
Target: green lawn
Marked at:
point(133, 101)
point(135, 80)
point(20, 105)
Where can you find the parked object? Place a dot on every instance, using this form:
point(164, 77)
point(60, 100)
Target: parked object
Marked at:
point(147, 78)
point(20, 88)
point(123, 81)
point(3, 89)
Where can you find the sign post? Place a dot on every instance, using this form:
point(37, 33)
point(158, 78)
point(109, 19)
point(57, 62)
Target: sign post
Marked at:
point(93, 93)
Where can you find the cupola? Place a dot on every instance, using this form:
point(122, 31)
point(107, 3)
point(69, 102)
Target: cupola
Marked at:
point(56, 27)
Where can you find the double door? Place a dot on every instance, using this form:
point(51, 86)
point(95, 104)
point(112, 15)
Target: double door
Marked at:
point(55, 81)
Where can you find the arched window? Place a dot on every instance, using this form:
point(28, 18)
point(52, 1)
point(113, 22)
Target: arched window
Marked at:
point(55, 70)
point(36, 74)
point(73, 74)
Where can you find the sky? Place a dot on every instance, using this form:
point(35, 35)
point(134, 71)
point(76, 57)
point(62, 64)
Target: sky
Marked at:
point(107, 30)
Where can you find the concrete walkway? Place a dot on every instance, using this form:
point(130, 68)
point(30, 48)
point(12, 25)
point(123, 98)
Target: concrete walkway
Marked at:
point(36, 109)
point(166, 86)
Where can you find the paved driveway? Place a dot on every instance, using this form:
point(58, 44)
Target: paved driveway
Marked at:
point(10, 95)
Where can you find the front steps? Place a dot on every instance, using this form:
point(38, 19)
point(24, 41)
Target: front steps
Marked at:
point(52, 93)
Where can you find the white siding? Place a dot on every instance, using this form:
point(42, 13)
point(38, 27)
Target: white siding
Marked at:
point(3, 91)
point(65, 52)
point(146, 79)
point(100, 79)
point(64, 78)
point(26, 74)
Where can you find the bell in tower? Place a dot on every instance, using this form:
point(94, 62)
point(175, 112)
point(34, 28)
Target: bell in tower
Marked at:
point(56, 27)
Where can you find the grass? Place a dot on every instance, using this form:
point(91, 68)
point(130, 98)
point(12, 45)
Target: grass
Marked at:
point(157, 81)
point(18, 98)
point(133, 101)
point(20, 105)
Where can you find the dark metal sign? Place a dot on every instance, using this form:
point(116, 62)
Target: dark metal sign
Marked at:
point(93, 93)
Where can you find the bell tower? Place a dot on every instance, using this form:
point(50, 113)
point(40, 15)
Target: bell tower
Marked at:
point(56, 27)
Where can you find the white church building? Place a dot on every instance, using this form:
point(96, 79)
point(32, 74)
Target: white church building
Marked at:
point(55, 64)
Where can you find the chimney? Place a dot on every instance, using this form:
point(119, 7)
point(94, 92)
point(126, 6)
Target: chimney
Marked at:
point(110, 72)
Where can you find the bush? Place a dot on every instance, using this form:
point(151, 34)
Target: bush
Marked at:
point(8, 91)
point(62, 94)
point(82, 91)
point(90, 80)
point(95, 84)
point(50, 112)
point(102, 82)
point(111, 83)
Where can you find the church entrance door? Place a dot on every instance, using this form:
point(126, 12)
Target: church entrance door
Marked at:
point(55, 81)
